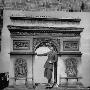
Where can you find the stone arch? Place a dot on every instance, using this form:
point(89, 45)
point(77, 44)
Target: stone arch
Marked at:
point(47, 42)
point(20, 68)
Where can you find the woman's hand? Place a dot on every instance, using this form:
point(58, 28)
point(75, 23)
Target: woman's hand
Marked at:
point(49, 61)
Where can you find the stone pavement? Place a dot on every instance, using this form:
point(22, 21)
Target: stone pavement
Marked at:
point(42, 87)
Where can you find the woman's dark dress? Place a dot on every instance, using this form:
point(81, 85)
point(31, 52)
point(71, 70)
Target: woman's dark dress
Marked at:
point(52, 56)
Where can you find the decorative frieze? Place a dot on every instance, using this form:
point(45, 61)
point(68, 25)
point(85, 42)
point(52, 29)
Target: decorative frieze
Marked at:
point(71, 45)
point(46, 31)
point(21, 44)
point(48, 42)
point(25, 33)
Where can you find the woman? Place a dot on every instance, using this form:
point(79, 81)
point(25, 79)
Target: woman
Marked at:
point(52, 58)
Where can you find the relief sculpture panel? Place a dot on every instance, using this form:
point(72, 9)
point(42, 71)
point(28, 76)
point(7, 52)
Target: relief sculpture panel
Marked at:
point(71, 45)
point(20, 68)
point(21, 44)
point(71, 67)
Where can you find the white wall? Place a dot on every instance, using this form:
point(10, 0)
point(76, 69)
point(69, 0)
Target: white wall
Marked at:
point(85, 38)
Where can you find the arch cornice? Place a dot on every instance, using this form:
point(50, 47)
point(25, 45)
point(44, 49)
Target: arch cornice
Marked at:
point(42, 29)
point(45, 19)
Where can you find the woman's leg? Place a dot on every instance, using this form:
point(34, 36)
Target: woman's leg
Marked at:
point(49, 75)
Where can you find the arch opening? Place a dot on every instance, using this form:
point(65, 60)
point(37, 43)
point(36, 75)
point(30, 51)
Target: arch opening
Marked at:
point(48, 44)
point(38, 66)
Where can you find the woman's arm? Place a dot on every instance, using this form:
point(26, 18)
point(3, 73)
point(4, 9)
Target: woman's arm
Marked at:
point(54, 57)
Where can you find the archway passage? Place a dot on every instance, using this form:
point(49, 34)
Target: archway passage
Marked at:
point(38, 66)
point(48, 42)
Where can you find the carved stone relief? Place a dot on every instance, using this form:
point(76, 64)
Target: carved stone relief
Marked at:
point(71, 67)
point(21, 44)
point(71, 45)
point(48, 42)
point(20, 68)
point(21, 33)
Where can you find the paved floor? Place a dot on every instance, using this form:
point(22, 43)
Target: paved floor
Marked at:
point(41, 87)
